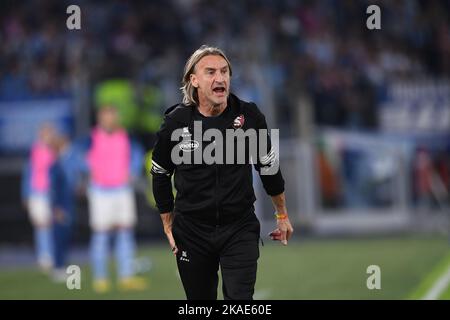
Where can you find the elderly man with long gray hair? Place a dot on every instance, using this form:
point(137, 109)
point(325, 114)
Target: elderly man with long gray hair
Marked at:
point(212, 221)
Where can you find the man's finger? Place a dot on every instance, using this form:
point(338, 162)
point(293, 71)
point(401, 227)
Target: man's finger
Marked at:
point(275, 233)
point(174, 247)
point(172, 244)
point(283, 237)
point(289, 233)
point(275, 237)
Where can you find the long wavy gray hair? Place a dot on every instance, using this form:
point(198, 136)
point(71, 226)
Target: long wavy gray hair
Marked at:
point(189, 91)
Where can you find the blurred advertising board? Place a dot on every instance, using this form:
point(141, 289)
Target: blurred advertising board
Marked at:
point(416, 106)
point(20, 121)
point(381, 170)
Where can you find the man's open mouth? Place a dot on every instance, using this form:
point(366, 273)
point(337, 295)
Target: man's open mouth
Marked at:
point(219, 90)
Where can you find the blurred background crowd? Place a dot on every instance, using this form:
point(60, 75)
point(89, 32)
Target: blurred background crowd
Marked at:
point(320, 48)
point(368, 110)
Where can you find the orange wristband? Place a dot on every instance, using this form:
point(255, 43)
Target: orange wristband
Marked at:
point(281, 216)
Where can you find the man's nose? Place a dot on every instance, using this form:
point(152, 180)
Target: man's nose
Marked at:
point(220, 78)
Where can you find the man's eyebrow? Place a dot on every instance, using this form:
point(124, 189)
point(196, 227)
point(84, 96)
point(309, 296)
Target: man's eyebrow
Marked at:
point(213, 69)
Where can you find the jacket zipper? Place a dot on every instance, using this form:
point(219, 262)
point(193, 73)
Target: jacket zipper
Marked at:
point(217, 195)
point(228, 125)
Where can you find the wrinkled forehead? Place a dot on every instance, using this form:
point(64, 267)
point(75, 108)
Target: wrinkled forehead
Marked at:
point(211, 62)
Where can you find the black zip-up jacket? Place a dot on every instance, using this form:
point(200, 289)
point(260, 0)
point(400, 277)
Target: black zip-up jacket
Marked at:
point(213, 193)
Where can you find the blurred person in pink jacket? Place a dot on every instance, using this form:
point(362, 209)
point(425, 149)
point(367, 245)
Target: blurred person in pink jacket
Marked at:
point(36, 193)
point(113, 162)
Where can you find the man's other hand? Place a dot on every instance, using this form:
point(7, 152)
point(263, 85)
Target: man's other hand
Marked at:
point(167, 220)
point(283, 231)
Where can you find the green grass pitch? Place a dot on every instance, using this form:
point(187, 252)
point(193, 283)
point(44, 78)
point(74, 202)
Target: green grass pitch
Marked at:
point(312, 269)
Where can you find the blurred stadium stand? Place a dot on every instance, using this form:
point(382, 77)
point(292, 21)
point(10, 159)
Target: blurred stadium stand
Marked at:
point(368, 110)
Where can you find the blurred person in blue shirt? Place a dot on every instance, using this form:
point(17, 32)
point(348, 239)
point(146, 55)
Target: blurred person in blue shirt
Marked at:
point(64, 180)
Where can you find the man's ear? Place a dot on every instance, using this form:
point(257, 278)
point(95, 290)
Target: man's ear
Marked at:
point(194, 80)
